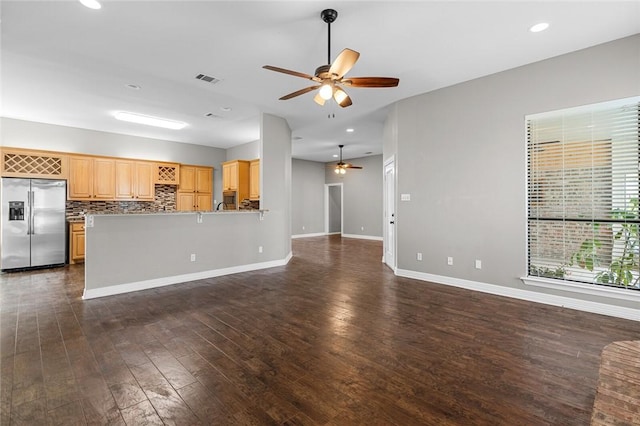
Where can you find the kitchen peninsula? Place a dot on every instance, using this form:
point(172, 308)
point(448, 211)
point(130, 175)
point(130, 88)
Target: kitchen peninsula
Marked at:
point(130, 252)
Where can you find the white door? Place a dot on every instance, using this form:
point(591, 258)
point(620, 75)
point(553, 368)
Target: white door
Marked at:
point(389, 215)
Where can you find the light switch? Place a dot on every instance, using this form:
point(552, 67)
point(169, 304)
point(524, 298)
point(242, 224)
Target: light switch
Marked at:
point(405, 197)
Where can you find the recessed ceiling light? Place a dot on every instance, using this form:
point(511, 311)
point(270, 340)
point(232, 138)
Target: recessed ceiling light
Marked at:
point(132, 86)
point(368, 152)
point(149, 120)
point(297, 138)
point(539, 27)
point(226, 109)
point(91, 4)
point(350, 130)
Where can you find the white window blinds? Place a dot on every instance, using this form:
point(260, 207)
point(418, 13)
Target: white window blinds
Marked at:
point(583, 189)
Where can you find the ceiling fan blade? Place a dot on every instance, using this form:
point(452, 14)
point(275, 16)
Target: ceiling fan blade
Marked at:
point(294, 73)
point(349, 166)
point(299, 92)
point(319, 99)
point(371, 82)
point(343, 63)
point(342, 98)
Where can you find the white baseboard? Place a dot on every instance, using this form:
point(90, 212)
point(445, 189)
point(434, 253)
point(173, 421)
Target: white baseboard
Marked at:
point(177, 279)
point(531, 296)
point(315, 234)
point(362, 237)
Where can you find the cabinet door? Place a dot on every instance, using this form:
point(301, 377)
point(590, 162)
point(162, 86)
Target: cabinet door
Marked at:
point(185, 201)
point(80, 178)
point(187, 179)
point(104, 178)
point(226, 177)
point(124, 180)
point(230, 176)
point(203, 202)
point(144, 187)
point(204, 180)
point(254, 180)
point(77, 244)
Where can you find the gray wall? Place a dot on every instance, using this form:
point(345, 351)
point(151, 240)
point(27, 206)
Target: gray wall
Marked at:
point(247, 151)
point(31, 135)
point(275, 165)
point(334, 209)
point(363, 207)
point(307, 194)
point(460, 153)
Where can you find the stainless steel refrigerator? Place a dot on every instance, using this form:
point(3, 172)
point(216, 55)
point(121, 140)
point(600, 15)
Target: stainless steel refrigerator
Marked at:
point(33, 229)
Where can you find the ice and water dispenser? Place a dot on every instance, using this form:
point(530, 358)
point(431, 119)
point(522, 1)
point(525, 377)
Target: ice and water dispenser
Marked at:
point(16, 210)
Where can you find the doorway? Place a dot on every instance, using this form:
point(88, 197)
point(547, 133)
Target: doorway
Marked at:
point(333, 202)
point(389, 214)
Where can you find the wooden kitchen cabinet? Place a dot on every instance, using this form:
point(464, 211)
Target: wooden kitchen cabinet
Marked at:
point(192, 202)
point(134, 180)
point(76, 242)
point(195, 192)
point(26, 163)
point(235, 177)
point(91, 178)
point(167, 173)
point(254, 179)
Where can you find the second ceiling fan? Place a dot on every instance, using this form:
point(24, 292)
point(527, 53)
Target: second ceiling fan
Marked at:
point(341, 166)
point(330, 78)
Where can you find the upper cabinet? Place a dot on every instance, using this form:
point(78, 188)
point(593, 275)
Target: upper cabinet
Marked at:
point(235, 177)
point(24, 163)
point(167, 173)
point(195, 192)
point(134, 180)
point(91, 178)
point(254, 179)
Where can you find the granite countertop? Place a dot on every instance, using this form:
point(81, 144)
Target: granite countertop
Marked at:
point(80, 219)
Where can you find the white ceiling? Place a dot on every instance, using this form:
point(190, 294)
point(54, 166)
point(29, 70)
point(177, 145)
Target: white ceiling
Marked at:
point(65, 64)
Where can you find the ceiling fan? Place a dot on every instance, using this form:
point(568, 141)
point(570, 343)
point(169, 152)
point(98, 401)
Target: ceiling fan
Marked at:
point(330, 78)
point(341, 166)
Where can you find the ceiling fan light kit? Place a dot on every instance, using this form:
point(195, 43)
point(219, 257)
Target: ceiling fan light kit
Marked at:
point(328, 78)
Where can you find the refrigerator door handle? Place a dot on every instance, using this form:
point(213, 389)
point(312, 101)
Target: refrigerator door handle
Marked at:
point(31, 212)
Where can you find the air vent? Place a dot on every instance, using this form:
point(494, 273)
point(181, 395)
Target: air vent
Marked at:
point(207, 78)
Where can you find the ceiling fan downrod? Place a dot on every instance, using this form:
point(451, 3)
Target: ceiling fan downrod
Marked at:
point(329, 16)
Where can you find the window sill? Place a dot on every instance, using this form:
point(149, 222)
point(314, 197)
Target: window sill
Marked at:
point(574, 287)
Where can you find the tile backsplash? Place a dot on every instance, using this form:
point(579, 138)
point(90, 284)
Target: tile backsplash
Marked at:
point(165, 200)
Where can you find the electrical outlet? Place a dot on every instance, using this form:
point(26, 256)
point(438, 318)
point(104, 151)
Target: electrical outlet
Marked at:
point(478, 264)
point(259, 249)
point(303, 227)
point(193, 257)
point(362, 228)
point(449, 260)
point(199, 218)
point(418, 256)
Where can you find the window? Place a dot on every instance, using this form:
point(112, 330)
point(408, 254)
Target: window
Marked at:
point(583, 189)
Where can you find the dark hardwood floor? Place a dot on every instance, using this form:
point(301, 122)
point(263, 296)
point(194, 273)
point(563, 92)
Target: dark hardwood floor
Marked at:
point(332, 338)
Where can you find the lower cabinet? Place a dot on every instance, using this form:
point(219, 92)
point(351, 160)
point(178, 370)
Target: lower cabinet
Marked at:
point(76, 242)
